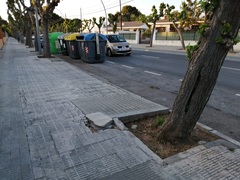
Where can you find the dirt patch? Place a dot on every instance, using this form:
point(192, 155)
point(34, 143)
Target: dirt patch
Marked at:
point(147, 129)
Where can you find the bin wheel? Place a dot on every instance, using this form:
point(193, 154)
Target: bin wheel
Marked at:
point(109, 52)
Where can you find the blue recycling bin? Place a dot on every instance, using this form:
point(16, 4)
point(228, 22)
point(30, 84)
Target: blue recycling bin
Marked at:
point(91, 47)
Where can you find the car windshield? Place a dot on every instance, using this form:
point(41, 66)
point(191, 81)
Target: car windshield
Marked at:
point(115, 38)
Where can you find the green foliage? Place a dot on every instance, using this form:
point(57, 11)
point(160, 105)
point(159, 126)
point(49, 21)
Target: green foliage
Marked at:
point(113, 19)
point(147, 33)
point(231, 149)
point(159, 121)
point(202, 28)
point(226, 29)
point(236, 40)
point(209, 5)
point(190, 49)
point(130, 13)
point(226, 35)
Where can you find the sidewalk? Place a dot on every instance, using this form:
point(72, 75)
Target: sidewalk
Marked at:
point(43, 108)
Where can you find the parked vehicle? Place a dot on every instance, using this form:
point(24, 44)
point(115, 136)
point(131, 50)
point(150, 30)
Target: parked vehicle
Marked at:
point(117, 45)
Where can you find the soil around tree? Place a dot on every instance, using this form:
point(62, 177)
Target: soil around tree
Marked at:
point(147, 129)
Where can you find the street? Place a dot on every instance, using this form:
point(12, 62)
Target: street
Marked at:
point(157, 76)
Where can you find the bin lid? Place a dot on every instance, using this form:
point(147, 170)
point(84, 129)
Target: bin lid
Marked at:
point(91, 36)
point(54, 35)
point(71, 36)
point(61, 36)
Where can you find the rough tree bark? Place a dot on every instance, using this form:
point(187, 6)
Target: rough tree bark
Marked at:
point(46, 44)
point(179, 31)
point(152, 33)
point(28, 25)
point(203, 70)
point(45, 9)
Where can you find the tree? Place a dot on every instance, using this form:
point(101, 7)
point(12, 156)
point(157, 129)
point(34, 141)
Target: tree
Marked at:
point(130, 13)
point(153, 18)
point(99, 23)
point(74, 25)
point(4, 25)
point(218, 34)
point(189, 14)
point(45, 9)
point(113, 19)
point(15, 11)
point(88, 24)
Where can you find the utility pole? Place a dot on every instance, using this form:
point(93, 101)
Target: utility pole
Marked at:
point(105, 17)
point(120, 4)
point(37, 28)
point(80, 20)
point(66, 23)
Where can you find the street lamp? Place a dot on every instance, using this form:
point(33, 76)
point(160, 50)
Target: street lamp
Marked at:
point(120, 4)
point(105, 17)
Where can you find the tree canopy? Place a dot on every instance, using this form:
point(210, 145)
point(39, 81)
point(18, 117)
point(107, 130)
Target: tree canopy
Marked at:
point(130, 13)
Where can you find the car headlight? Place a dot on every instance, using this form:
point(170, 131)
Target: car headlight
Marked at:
point(115, 47)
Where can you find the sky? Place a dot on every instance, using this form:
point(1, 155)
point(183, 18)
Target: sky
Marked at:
point(87, 9)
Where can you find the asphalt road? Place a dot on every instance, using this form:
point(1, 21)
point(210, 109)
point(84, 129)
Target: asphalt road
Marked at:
point(157, 76)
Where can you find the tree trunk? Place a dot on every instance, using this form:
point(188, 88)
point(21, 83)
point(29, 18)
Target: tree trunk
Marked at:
point(232, 50)
point(29, 33)
point(179, 31)
point(202, 73)
point(46, 44)
point(152, 34)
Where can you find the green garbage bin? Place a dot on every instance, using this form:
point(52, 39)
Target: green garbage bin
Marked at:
point(72, 45)
point(63, 44)
point(91, 47)
point(54, 43)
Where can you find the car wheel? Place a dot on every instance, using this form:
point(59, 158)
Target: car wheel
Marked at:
point(109, 52)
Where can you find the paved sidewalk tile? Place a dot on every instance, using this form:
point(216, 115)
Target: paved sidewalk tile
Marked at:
point(44, 134)
point(55, 99)
point(14, 153)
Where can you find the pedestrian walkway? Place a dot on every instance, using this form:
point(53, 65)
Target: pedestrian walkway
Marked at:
point(45, 133)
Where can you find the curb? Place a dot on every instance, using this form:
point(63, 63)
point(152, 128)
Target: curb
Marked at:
point(215, 132)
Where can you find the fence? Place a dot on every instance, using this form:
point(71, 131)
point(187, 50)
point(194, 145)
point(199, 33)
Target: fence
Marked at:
point(131, 36)
point(168, 38)
point(128, 35)
point(189, 36)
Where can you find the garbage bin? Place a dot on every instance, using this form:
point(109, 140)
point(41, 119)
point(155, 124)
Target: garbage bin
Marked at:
point(54, 43)
point(63, 44)
point(91, 47)
point(72, 45)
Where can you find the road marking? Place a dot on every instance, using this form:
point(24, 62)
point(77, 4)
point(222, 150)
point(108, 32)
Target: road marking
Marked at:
point(127, 66)
point(111, 62)
point(180, 80)
point(149, 72)
point(237, 95)
point(235, 69)
point(153, 57)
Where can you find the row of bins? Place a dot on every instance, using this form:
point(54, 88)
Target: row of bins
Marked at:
point(89, 47)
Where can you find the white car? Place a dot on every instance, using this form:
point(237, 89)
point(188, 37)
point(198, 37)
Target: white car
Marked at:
point(117, 45)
